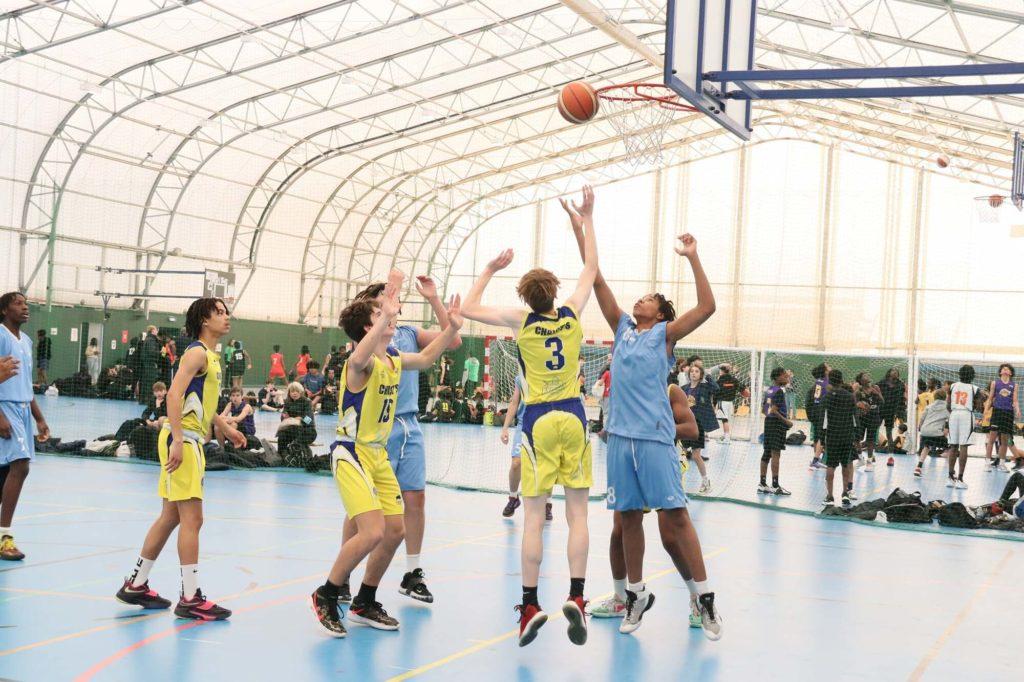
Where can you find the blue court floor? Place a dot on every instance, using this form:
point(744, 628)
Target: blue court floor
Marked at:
point(801, 597)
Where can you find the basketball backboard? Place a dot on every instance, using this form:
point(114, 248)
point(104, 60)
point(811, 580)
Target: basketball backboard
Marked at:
point(705, 36)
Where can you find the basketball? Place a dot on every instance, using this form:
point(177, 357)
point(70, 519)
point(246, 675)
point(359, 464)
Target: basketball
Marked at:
point(942, 161)
point(995, 201)
point(577, 102)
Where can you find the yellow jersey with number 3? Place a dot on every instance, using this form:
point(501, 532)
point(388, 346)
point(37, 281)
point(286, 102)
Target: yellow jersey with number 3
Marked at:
point(366, 416)
point(549, 355)
point(201, 395)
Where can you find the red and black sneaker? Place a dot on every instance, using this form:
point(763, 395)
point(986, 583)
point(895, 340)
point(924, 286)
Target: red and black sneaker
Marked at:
point(510, 508)
point(531, 618)
point(198, 608)
point(575, 612)
point(141, 596)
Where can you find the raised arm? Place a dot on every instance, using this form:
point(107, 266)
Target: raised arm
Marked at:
point(361, 361)
point(585, 284)
point(472, 309)
point(429, 355)
point(428, 289)
point(686, 423)
point(605, 298)
point(705, 308)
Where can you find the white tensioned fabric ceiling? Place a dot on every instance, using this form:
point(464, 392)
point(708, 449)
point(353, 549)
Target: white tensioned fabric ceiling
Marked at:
point(320, 143)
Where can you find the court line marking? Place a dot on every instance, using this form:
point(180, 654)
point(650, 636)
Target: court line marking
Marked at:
point(940, 643)
point(483, 644)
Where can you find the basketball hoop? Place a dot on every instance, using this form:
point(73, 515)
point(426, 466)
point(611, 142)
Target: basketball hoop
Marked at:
point(991, 208)
point(641, 113)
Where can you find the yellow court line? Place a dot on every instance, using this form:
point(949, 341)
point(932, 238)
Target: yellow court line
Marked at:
point(933, 652)
point(53, 593)
point(480, 645)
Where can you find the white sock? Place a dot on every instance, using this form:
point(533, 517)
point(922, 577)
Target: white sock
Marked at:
point(5, 531)
point(140, 574)
point(692, 587)
point(636, 588)
point(412, 562)
point(620, 588)
point(701, 587)
point(189, 580)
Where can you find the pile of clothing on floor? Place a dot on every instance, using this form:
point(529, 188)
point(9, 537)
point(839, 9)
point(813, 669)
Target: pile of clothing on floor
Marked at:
point(1006, 513)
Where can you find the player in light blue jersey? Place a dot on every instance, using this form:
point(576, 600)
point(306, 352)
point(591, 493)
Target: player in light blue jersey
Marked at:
point(643, 464)
point(516, 412)
point(405, 445)
point(18, 408)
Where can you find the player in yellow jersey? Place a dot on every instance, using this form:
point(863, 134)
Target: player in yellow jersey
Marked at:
point(367, 483)
point(191, 411)
point(556, 447)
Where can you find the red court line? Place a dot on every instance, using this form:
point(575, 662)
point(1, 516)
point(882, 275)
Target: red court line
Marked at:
point(123, 653)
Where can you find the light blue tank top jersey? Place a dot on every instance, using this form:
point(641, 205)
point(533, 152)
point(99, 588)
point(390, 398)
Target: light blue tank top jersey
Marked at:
point(17, 389)
point(638, 403)
point(404, 340)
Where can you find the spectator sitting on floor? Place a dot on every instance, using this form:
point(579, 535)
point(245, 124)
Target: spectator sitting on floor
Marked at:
point(444, 410)
point(329, 401)
point(239, 413)
point(476, 407)
point(270, 398)
point(141, 434)
point(313, 382)
point(297, 425)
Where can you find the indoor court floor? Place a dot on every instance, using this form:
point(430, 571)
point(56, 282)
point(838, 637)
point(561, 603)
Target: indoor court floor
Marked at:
point(801, 597)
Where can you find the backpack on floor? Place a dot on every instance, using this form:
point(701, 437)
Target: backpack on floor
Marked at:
point(956, 515)
point(900, 497)
point(907, 513)
point(796, 438)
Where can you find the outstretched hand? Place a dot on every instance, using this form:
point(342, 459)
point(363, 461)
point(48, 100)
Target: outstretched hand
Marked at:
point(574, 217)
point(455, 319)
point(502, 261)
point(426, 287)
point(687, 246)
point(391, 305)
point(586, 209)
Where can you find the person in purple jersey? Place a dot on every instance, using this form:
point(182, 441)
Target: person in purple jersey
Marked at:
point(1002, 400)
point(18, 409)
point(776, 423)
point(816, 411)
point(405, 446)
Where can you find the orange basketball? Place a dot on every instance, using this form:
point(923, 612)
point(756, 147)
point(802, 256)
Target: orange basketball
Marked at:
point(995, 201)
point(942, 161)
point(578, 102)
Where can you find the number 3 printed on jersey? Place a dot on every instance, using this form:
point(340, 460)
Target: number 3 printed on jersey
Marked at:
point(557, 360)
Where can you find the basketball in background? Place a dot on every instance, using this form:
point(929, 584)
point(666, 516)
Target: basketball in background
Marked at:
point(577, 102)
point(942, 161)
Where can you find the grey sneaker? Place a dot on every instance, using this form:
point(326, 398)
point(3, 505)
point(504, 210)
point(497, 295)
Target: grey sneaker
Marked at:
point(709, 616)
point(637, 604)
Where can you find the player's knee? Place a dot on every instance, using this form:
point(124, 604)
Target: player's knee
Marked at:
point(19, 469)
point(766, 457)
point(516, 464)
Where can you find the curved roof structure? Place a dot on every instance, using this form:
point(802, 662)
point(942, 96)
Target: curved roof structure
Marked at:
point(314, 144)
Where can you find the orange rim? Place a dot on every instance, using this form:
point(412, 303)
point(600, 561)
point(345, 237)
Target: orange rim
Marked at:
point(658, 93)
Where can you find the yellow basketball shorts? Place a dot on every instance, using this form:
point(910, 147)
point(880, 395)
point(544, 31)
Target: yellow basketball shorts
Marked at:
point(186, 482)
point(556, 448)
point(365, 480)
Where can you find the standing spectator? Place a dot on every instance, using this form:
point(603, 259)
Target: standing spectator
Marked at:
point(776, 423)
point(276, 366)
point(301, 367)
point(700, 396)
point(314, 383)
point(815, 411)
point(444, 371)
point(725, 398)
point(963, 400)
point(240, 361)
point(1002, 401)
point(682, 372)
point(92, 360)
point(133, 361)
point(790, 389)
point(472, 372)
point(43, 354)
point(869, 407)
point(337, 361)
point(164, 362)
point(839, 430)
point(171, 353)
point(149, 363)
point(931, 426)
point(894, 405)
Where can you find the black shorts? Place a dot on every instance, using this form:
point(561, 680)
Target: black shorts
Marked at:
point(869, 430)
point(934, 442)
point(838, 453)
point(699, 441)
point(1001, 421)
point(774, 435)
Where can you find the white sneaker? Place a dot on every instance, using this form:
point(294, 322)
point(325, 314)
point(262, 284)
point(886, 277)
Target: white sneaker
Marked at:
point(763, 488)
point(1005, 468)
point(705, 486)
point(726, 440)
point(612, 607)
point(960, 485)
point(951, 482)
point(710, 618)
point(869, 466)
point(695, 621)
point(637, 604)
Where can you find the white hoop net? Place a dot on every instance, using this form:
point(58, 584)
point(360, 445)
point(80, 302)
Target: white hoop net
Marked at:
point(639, 121)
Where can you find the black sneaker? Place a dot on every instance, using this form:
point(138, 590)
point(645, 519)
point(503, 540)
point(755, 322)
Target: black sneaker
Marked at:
point(830, 501)
point(141, 596)
point(779, 490)
point(198, 608)
point(548, 516)
point(327, 612)
point(414, 585)
point(344, 594)
point(846, 500)
point(373, 615)
point(510, 508)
